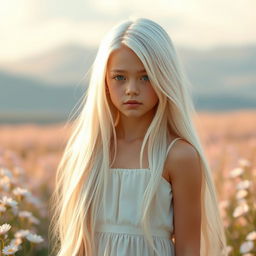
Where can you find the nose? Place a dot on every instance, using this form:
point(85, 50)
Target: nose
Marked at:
point(132, 87)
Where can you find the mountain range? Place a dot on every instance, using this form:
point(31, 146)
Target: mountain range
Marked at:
point(47, 88)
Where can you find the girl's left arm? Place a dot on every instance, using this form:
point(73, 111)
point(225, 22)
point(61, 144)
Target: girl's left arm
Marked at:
point(183, 166)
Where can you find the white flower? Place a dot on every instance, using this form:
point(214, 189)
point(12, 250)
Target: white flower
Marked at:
point(34, 220)
point(236, 172)
point(25, 214)
point(241, 194)
point(34, 238)
point(21, 192)
point(21, 233)
point(4, 228)
point(34, 200)
point(251, 236)
point(2, 208)
point(246, 246)
point(6, 172)
point(245, 184)
point(5, 183)
point(240, 210)
point(8, 201)
point(10, 249)
point(244, 162)
point(227, 250)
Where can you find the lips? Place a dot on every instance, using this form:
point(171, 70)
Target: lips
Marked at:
point(132, 102)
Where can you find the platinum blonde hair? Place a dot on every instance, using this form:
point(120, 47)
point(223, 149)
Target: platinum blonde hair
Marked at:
point(82, 174)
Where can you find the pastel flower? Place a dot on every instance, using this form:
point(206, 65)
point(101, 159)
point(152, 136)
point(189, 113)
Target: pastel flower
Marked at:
point(2, 208)
point(34, 220)
point(34, 200)
point(10, 249)
point(245, 184)
point(251, 236)
point(21, 192)
point(241, 194)
point(8, 201)
point(21, 233)
point(6, 172)
point(25, 214)
point(244, 162)
point(34, 238)
point(236, 172)
point(240, 210)
point(4, 228)
point(5, 183)
point(246, 246)
point(227, 250)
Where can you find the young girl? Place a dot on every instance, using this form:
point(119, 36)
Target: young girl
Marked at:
point(134, 179)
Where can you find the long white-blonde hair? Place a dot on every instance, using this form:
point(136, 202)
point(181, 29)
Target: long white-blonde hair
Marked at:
point(82, 174)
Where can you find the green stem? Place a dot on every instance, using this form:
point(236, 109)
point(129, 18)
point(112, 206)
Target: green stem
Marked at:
point(30, 248)
point(2, 243)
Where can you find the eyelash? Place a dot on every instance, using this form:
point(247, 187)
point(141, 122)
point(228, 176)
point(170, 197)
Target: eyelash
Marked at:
point(123, 76)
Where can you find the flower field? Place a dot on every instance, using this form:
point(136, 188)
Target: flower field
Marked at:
point(29, 155)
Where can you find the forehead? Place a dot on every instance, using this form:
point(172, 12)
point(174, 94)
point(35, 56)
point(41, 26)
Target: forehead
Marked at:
point(124, 59)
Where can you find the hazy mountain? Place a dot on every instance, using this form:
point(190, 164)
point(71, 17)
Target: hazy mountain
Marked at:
point(222, 69)
point(59, 66)
point(47, 87)
point(26, 99)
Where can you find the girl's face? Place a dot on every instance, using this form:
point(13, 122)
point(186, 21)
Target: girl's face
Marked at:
point(127, 80)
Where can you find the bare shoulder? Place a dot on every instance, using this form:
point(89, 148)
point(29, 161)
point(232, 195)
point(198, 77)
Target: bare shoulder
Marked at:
point(183, 164)
point(183, 160)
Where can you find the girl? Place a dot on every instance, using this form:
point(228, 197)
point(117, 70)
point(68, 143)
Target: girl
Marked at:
point(133, 179)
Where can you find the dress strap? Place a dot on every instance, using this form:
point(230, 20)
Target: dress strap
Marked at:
point(171, 144)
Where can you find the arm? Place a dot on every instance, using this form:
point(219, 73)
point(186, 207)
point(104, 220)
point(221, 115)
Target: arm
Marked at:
point(183, 166)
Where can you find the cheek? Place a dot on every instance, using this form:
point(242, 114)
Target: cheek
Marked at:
point(152, 95)
point(115, 95)
point(114, 91)
point(110, 87)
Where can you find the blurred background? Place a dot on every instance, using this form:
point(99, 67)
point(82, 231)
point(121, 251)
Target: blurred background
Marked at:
point(47, 47)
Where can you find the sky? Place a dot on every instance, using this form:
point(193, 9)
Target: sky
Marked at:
point(29, 27)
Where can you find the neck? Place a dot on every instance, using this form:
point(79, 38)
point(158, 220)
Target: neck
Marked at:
point(131, 129)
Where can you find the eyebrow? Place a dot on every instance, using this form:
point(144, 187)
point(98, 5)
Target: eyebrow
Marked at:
point(123, 71)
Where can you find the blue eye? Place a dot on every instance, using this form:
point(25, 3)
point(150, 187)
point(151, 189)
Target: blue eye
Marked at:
point(118, 76)
point(121, 77)
point(147, 78)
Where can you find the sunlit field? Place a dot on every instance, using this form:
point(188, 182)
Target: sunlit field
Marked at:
point(29, 155)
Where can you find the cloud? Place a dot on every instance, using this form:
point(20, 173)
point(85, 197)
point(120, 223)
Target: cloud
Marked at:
point(16, 13)
point(39, 24)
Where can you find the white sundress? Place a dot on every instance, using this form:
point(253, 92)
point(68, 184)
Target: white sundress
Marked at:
point(118, 232)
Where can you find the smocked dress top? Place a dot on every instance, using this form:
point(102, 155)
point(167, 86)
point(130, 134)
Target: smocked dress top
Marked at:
point(118, 231)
